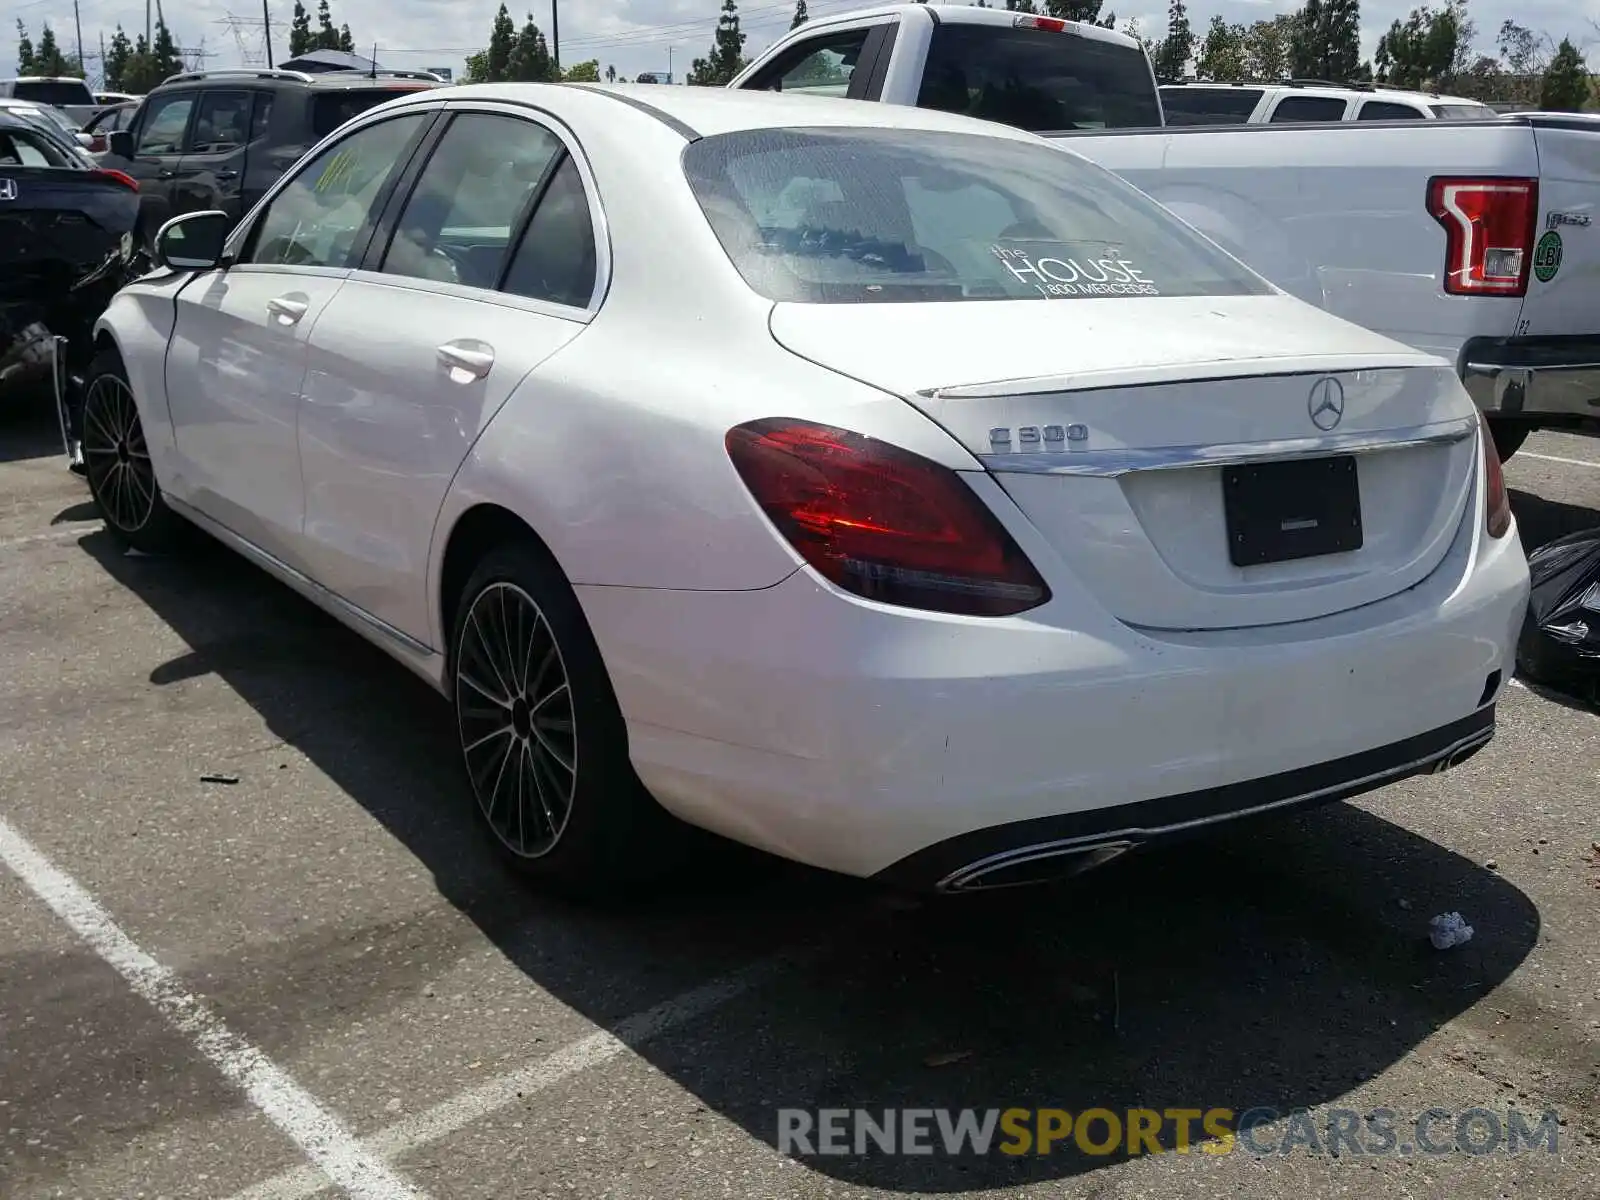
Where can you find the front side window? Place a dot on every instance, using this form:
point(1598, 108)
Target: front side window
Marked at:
point(1309, 108)
point(461, 216)
point(823, 67)
point(1038, 80)
point(165, 125)
point(855, 215)
point(1187, 105)
point(223, 123)
point(316, 220)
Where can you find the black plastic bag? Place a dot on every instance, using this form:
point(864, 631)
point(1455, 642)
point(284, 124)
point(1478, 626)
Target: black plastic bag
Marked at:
point(1560, 642)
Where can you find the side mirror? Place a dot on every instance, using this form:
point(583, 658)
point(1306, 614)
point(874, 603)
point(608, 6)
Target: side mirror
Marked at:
point(193, 242)
point(120, 142)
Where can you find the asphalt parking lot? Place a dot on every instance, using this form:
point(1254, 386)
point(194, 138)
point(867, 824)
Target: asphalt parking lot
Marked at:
point(209, 988)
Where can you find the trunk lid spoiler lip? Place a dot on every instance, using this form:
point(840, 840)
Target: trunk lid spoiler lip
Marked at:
point(1111, 464)
point(1184, 372)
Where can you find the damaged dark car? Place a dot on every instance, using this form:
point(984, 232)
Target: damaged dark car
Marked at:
point(66, 247)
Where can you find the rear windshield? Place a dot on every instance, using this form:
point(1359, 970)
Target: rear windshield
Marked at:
point(856, 215)
point(1209, 106)
point(329, 110)
point(1463, 112)
point(53, 92)
point(1038, 80)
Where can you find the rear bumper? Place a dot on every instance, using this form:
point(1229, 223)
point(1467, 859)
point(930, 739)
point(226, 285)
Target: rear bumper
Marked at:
point(876, 741)
point(1533, 378)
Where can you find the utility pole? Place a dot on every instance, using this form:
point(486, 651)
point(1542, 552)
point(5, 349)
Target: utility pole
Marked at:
point(555, 35)
point(103, 84)
point(669, 64)
point(147, 24)
point(266, 30)
point(78, 21)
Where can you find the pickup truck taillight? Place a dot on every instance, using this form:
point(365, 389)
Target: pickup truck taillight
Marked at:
point(1489, 226)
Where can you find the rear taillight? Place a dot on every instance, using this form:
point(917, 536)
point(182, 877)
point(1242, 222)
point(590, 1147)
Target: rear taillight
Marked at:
point(882, 522)
point(1496, 502)
point(1489, 230)
point(117, 177)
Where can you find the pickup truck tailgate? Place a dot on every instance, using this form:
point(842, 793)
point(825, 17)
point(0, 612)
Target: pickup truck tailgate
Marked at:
point(1563, 296)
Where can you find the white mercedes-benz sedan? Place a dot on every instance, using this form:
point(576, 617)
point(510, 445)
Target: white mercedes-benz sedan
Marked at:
point(891, 491)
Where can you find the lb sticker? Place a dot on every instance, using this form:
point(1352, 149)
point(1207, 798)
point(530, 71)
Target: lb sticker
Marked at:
point(1547, 257)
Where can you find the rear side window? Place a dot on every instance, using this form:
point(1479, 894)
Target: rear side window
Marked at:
point(53, 91)
point(557, 260)
point(1309, 108)
point(329, 110)
point(222, 124)
point(1209, 106)
point(854, 215)
point(1037, 80)
point(1382, 110)
point(460, 218)
point(21, 149)
point(1463, 112)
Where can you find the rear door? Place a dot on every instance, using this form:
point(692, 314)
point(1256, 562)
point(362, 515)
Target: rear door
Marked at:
point(489, 267)
point(211, 171)
point(1563, 296)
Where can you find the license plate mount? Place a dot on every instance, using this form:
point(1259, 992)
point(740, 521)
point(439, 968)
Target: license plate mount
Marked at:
point(1292, 509)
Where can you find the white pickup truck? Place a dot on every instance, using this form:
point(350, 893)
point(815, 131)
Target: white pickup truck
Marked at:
point(1478, 241)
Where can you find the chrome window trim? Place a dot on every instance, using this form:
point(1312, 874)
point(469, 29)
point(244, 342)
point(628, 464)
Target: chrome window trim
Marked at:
point(1109, 464)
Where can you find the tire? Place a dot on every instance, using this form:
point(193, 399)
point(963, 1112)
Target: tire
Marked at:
point(121, 475)
point(583, 824)
point(1508, 436)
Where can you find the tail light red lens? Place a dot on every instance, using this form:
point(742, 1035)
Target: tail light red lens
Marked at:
point(118, 177)
point(1489, 229)
point(883, 522)
point(1497, 501)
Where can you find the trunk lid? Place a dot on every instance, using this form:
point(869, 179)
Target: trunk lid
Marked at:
point(1116, 425)
point(1564, 284)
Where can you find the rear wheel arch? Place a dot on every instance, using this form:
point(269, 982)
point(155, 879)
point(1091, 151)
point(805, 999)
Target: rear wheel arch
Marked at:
point(477, 532)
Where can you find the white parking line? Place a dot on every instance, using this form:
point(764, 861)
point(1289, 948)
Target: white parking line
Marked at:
point(318, 1133)
point(67, 533)
point(602, 1046)
point(1556, 458)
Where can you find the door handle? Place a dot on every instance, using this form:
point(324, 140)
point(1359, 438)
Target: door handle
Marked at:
point(465, 362)
point(166, 174)
point(227, 174)
point(286, 311)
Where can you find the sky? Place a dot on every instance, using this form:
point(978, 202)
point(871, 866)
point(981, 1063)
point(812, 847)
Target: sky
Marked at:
point(639, 35)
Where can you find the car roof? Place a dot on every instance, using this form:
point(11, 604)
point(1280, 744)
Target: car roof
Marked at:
point(707, 111)
point(962, 14)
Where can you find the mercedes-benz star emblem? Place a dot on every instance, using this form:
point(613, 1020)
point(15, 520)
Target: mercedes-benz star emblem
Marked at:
point(8, 189)
point(1326, 403)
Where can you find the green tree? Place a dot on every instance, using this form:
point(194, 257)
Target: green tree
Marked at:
point(1421, 52)
point(1525, 56)
point(24, 50)
point(529, 61)
point(1020, 6)
point(502, 41)
point(299, 31)
point(164, 53)
point(1266, 47)
point(1171, 55)
point(1327, 41)
point(48, 59)
point(326, 36)
point(1087, 11)
point(1566, 81)
point(611, 74)
point(477, 69)
point(800, 15)
point(1222, 54)
point(584, 72)
point(727, 51)
point(116, 64)
point(346, 42)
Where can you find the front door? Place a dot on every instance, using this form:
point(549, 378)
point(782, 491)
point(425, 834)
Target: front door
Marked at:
point(238, 353)
point(418, 351)
point(159, 138)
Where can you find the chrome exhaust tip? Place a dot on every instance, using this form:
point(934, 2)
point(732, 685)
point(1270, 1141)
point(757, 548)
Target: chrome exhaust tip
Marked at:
point(1029, 865)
